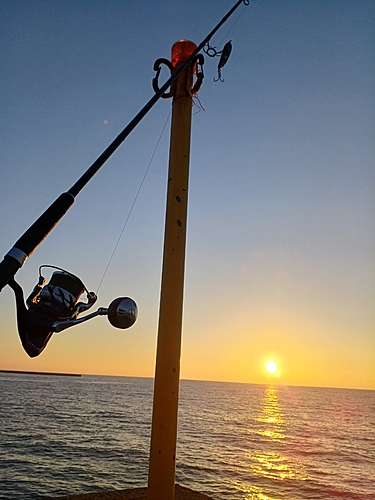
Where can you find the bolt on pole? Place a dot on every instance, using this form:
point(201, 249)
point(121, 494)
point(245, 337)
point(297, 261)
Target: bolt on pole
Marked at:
point(161, 480)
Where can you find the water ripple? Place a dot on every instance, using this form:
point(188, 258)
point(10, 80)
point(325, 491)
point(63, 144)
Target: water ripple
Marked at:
point(63, 436)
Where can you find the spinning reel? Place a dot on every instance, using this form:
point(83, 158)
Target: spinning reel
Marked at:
point(52, 307)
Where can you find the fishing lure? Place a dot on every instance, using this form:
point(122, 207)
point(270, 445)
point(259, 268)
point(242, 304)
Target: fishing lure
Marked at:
point(224, 56)
point(225, 53)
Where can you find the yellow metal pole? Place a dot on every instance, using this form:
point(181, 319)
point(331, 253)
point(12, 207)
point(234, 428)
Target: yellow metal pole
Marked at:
point(161, 480)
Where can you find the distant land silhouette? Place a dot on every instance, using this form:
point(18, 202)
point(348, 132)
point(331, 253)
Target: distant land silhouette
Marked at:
point(42, 373)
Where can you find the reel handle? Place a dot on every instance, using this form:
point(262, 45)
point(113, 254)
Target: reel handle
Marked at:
point(122, 313)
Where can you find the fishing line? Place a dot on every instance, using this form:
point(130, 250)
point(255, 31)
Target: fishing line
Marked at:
point(247, 17)
point(250, 11)
point(134, 202)
point(233, 25)
point(199, 105)
point(225, 52)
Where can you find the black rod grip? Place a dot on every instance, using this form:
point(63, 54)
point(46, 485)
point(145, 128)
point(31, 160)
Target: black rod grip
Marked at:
point(34, 236)
point(36, 233)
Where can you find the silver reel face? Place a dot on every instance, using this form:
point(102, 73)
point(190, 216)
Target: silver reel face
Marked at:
point(122, 312)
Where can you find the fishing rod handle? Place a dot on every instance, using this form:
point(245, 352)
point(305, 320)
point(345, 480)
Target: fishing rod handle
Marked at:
point(33, 237)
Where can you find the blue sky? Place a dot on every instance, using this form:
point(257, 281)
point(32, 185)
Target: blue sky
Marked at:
point(281, 204)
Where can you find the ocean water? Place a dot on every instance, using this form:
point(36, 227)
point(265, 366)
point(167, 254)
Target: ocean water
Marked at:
point(68, 435)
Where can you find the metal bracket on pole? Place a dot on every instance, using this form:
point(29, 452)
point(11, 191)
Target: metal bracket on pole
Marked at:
point(155, 82)
point(198, 64)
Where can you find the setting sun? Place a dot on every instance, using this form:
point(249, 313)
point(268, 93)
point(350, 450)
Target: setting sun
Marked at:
point(271, 366)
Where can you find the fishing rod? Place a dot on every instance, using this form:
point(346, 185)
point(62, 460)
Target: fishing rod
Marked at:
point(39, 230)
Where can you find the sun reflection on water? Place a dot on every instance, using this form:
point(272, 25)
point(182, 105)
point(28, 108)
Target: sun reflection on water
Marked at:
point(270, 460)
point(272, 415)
point(275, 466)
point(254, 493)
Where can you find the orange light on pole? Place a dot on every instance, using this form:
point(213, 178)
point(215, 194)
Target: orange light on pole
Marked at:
point(181, 50)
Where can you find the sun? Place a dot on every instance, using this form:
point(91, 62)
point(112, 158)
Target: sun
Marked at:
point(271, 366)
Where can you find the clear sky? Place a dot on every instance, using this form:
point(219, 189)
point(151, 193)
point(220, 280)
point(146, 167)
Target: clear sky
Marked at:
point(281, 236)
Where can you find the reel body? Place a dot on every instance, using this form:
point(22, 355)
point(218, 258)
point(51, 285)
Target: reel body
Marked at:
point(54, 306)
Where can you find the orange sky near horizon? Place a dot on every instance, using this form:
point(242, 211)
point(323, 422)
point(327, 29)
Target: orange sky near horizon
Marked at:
point(130, 353)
